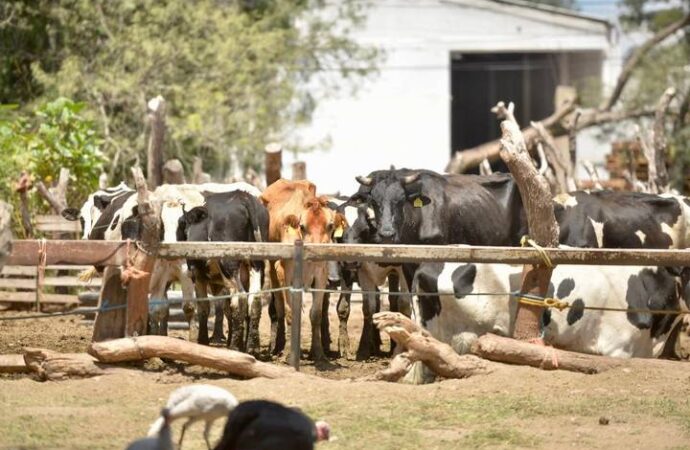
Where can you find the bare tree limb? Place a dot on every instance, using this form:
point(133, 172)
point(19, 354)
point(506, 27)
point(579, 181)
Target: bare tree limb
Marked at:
point(637, 57)
point(659, 140)
point(464, 160)
point(485, 168)
point(572, 137)
point(542, 158)
point(551, 152)
point(593, 174)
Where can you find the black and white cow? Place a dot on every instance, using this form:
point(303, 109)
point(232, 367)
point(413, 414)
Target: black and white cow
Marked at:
point(228, 217)
point(424, 207)
point(94, 206)
point(173, 199)
point(461, 311)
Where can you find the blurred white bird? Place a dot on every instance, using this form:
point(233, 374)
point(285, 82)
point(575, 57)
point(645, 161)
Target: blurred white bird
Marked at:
point(160, 440)
point(197, 402)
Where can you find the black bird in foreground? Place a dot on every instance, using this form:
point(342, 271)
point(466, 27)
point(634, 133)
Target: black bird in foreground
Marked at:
point(266, 425)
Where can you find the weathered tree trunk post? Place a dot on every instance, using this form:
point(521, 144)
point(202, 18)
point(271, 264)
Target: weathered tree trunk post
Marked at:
point(156, 117)
point(273, 162)
point(173, 172)
point(543, 228)
point(23, 186)
point(299, 170)
point(143, 260)
point(110, 324)
point(57, 198)
point(296, 305)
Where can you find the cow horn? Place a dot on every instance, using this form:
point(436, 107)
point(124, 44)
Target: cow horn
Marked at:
point(364, 181)
point(411, 178)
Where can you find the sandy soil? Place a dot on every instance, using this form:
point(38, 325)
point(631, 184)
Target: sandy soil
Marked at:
point(513, 407)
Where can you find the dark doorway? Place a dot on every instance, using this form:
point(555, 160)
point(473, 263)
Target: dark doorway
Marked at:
point(479, 81)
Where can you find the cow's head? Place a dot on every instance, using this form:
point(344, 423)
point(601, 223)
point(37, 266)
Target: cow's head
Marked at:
point(315, 225)
point(362, 230)
point(171, 213)
point(391, 202)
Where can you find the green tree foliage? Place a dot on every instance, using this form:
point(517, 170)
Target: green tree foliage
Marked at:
point(52, 137)
point(235, 73)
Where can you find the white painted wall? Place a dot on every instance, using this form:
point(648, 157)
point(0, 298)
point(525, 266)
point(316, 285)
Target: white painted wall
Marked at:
point(402, 117)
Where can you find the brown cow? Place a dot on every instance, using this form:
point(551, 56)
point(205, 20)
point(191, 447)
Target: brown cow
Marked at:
point(296, 213)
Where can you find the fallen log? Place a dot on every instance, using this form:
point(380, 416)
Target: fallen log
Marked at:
point(51, 366)
point(506, 350)
point(420, 346)
point(145, 347)
point(13, 364)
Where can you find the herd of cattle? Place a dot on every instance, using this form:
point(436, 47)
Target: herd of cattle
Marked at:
point(412, 207)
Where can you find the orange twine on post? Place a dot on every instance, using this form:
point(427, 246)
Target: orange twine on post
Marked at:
point(131, 272)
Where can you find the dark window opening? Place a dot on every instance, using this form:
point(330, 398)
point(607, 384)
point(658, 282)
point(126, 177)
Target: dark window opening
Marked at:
point(479, 81)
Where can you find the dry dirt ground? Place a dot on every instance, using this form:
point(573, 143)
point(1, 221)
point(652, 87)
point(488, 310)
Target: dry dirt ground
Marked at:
point(513, 407)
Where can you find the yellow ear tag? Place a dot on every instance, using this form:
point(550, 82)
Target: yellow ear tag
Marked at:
point(291, 231)
point(338, 232)
point(418, 203)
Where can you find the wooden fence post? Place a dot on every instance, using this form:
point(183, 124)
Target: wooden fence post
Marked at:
point(543, 228)
point(173, 172)
point(296, 305)
point(299, 170)
point(143, 260)
point(273, 162)
point(23, 186)
point(156, 117)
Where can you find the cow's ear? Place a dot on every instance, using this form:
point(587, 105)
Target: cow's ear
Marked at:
point(70, 213)
point(419, 200)
point(196, 214)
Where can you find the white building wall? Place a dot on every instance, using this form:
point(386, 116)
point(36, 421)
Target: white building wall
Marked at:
point(402, 117)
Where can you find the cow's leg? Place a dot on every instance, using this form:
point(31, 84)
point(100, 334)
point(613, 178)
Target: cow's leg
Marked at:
point(254, 300)
point(343, 309)
point(188, 305)
point(203, 310)
point(325, 321)
point(218, 308)
point(394, 301)
point(367, 342)
point(157, 300)
point(316, 313)
point(276, 311)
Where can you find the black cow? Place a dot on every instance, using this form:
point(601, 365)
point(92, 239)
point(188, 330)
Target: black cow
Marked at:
point(228, 217)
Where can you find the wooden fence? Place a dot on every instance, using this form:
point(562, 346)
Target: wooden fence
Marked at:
point(24, 253)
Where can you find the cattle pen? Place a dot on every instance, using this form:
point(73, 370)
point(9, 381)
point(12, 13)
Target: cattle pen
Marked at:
point(117, 253)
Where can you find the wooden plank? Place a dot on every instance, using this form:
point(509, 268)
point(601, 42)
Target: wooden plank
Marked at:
point(30, 297)
point(505, 255)
point(24, 271)
point(30, 283)
point(421, 253)
point(68, 252)
point(56, 223)
point(13, 364)
point(240, 250)
point(110, 324)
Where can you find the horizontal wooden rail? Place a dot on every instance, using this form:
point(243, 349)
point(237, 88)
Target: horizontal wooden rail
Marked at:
point(240, 250)
point(430, 253)
point(69, 252)
point(113, 253)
